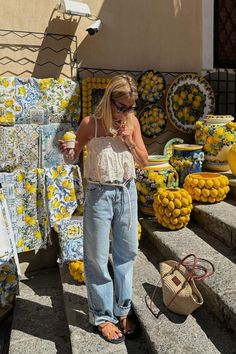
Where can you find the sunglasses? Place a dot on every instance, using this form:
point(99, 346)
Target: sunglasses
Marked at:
point(123, 108)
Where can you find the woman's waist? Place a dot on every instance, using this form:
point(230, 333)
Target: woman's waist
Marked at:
point(124, 182)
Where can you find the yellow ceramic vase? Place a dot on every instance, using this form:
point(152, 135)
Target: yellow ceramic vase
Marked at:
point(217, 134)
point(207, 187)
point(158, 174)
point(172, 207)
point(232, 159)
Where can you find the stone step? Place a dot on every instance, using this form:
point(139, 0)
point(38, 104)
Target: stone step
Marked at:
point(219, 218)
point(84, 339)
point(169, 333)
point(39, 323)
point(218, 290)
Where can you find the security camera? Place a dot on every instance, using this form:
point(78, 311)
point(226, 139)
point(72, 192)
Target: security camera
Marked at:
point(94, 28)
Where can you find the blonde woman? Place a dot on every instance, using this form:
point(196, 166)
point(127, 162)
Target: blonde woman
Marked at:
point(114, 142)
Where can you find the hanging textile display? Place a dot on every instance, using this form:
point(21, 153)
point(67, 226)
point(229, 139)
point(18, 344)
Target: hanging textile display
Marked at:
point(9, 263)
point(64, 191)
point(29, 235)
point(42, 207)
point(63, 99)
point(8, 105)
point(28, 143)
point(7, 181)
point(28, 96)
point(9, 158)
point(49, 136)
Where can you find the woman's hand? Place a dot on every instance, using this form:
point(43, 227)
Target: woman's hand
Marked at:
point(69, 154)
point(126, 134)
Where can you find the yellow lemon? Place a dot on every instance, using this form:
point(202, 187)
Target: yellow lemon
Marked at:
point(195, 182)
point(197, 191)
point(176, 213)
point(171, 205)
point(203, 199)
point(165, 202)
point(205, 192)
point(185, 202)
point(201, 183)
point(167, 212)
point(171, 196)
point(177, 203)
point(221, 192)
point(213, 192)
point(184, 211)
point(216, 183)
point(209, 183)
point(174, 221)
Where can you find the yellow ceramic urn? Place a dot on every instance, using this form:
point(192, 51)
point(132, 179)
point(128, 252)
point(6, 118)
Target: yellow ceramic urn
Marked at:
point(157, 174)
point(232, 159)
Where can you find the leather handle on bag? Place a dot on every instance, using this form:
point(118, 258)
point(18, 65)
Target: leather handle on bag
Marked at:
point(192, 266)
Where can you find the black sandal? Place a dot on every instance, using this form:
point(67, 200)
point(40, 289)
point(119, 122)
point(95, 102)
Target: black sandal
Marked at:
point(132, 322)
point(107, 330)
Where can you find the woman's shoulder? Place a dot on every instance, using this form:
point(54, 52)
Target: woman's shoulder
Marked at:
point(87, 126)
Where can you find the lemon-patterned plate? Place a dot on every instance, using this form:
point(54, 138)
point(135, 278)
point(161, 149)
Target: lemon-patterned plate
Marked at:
point(151, 86)
point(189, 98)
point(152, 120)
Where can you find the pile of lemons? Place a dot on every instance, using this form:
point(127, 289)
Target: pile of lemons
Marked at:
point(76, 270)
point(172, 207)
point(207, 187)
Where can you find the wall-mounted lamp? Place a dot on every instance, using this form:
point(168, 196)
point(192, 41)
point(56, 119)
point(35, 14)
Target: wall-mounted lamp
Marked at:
point(73, 7)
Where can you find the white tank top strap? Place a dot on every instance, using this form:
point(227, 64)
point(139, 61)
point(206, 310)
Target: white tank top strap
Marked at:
point(96, 126)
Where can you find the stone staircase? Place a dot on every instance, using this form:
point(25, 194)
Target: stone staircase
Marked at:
point(51, 311)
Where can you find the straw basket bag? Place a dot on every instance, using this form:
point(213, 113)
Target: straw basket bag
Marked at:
point(180, 293)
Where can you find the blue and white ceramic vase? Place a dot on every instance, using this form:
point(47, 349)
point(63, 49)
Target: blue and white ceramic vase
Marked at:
point(187, 158)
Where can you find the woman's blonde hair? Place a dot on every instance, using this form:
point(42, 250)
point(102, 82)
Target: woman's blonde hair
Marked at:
point(120, 86)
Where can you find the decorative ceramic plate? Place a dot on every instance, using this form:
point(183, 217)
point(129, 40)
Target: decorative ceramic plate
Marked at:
point(218, 119)
point(189, 98)
point(151, 86)
point(152, 121)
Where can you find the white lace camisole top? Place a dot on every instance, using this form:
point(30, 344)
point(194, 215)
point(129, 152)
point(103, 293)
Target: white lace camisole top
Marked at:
point(108, 160)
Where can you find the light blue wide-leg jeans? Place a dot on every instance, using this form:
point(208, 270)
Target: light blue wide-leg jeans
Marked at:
point(109, 207)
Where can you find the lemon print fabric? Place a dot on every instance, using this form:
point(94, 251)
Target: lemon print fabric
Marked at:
point(151, 86)
point(189, 98)
point(9, 155)
point(64, 191)
point(8, 282)
point(29, 235)
point(172, 207)
point(152, 121)
point(49, 136)
point(207, 187)
point(8, 104)
point(70, 234)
